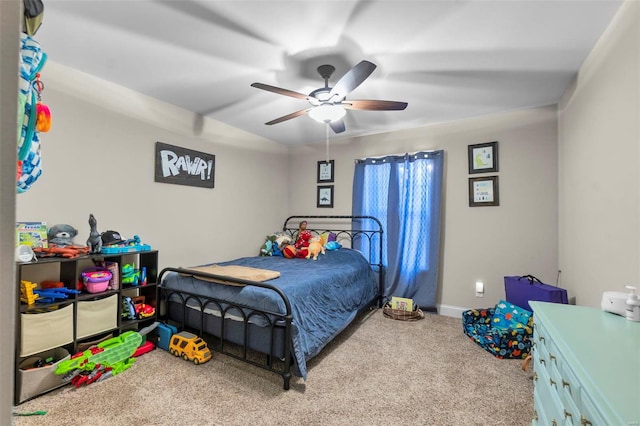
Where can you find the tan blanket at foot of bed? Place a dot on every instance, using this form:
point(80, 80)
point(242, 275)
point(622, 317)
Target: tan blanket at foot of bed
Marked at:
point(235, 271)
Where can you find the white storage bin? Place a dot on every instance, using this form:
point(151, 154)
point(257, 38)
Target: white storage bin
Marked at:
point(47, 330)
point(34, 381)
point(96, 316)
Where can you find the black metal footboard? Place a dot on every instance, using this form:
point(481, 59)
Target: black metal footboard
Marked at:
point(276, 345)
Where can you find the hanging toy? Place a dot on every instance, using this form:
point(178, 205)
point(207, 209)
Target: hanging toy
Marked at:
point(43, 114)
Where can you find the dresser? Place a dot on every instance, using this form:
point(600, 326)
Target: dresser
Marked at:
point(586, 366)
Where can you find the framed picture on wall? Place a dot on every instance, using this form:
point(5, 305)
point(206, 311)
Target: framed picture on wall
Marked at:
point(325, 196)
point(483, 157)
point(483, 191)
point(325, 171)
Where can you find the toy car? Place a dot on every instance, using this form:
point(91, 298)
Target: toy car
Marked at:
point(190, 347)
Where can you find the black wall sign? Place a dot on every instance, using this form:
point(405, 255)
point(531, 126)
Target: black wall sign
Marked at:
point(182, 166)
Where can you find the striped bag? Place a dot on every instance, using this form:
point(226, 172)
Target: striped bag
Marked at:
point(32, 59)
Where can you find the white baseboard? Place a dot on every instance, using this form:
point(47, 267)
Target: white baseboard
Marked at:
point(451, 311)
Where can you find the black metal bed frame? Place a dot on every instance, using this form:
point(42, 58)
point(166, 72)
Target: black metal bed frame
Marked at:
point(275, 320)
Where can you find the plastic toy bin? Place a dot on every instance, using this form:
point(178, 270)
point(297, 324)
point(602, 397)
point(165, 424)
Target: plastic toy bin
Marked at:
point(96, 316)
point(34, 381)
point(43, 331)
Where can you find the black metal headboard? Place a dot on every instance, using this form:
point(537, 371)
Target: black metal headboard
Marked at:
point(346, 228)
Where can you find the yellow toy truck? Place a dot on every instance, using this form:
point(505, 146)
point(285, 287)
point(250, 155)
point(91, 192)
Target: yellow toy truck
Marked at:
point(190, 347)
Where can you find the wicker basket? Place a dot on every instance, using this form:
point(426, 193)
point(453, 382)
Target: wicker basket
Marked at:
point(401, 315)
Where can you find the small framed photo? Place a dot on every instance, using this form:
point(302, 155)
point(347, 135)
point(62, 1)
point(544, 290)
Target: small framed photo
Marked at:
point(325, 196)
point(325, 171)
point(483, 157)
point(483, 191)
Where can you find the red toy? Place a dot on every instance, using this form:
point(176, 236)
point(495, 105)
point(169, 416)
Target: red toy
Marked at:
point(144, 348)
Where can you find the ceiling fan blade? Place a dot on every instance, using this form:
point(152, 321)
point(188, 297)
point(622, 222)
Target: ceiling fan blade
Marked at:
point(280, 91)
point(288, 116)
point(352, 79)
point(337, 126)
point(374, 105)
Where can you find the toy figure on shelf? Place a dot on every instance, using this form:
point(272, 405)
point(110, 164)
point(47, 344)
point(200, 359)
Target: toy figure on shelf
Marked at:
point(61, 235)
point(94, 242)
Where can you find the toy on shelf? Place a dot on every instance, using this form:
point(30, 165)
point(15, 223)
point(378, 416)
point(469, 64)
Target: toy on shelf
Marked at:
point(67, 251)
point(26, 292)
point(94, 242)
point(131, 275)
point(51, 295)
point(61, 235)
point(112, 243)
point(96, 279)
point(135, 308)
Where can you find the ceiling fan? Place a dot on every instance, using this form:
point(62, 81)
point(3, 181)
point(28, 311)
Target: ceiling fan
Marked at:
point(329, 104)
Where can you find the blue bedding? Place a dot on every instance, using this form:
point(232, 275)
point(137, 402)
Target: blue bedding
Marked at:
point(325, 295)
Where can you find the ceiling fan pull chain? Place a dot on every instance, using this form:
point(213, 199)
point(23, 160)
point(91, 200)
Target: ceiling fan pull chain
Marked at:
point(326, 127)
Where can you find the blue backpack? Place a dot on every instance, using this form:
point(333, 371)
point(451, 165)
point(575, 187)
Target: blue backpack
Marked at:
point(32, 59)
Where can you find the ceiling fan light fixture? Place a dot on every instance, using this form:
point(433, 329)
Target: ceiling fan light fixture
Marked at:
point(327, 113)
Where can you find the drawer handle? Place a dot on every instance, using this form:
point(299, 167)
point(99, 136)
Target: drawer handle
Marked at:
point(542, 361)
point(535, 376)
point(554, 422)
point(567, 414)
point(552, 382)
point(533, 344)
point(552, 358)
point(535, 414)
point(584, 421)
point(566, 384)
point(541, 338)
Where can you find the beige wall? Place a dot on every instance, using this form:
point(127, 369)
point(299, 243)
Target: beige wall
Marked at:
point(479, 243)
point(99, 158)
point(599, 180)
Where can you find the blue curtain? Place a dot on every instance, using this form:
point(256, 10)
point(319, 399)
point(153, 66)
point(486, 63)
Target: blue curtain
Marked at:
point(404, 193)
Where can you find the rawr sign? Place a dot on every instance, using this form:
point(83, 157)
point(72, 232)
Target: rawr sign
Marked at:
point(183, 166)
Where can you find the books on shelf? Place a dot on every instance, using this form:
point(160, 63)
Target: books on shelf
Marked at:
point(401, 303)
point(33, 234)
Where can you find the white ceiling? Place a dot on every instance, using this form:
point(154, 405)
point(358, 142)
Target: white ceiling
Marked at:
point(448, 59)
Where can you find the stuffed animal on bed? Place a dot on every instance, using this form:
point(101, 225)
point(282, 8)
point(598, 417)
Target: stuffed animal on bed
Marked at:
point(303, 239)
point(268, 246)
point(275, 244)
point(315, 248)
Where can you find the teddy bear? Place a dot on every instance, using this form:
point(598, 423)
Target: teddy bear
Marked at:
point(315, 248)
point(61, 235)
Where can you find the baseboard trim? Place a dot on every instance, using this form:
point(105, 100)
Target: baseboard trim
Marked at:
point(451, 311)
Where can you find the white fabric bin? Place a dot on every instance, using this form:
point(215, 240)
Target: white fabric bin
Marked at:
point(96, 316)
point(46, 330)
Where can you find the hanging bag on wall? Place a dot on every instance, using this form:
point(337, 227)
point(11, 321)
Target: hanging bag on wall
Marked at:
point(32, 59)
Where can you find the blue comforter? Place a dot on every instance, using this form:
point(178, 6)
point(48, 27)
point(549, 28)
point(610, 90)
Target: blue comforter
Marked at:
point(325, 295)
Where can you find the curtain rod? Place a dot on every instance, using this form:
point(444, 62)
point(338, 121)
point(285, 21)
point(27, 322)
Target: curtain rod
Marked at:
point(396, 155)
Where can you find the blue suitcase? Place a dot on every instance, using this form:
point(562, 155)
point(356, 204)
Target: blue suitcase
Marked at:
point(519, 290)
point(165, 331)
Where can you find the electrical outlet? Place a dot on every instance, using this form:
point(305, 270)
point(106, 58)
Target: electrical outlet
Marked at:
point(479, 289)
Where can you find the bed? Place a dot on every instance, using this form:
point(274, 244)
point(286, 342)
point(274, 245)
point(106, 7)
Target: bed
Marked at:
point(283, 319)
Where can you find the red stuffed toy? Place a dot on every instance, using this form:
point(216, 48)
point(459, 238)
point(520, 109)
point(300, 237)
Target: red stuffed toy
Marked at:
point(302, 243)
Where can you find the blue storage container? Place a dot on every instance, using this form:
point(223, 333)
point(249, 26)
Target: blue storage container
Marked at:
point(165, 331)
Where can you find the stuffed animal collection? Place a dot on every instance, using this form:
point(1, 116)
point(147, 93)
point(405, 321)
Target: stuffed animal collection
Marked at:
point(306, 246)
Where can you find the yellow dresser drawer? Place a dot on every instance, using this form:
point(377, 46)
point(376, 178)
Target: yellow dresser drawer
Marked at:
point(96, 316)
point(47, 330)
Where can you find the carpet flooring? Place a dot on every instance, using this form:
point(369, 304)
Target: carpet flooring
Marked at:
point(377, 372)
